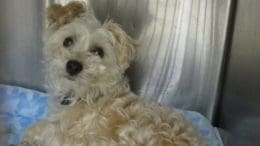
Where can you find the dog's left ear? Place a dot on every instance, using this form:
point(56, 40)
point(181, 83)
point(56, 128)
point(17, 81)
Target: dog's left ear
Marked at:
point(127, 45)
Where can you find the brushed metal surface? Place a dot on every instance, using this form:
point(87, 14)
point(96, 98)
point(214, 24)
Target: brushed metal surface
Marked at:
point(179, 59)
point(240, 112)
point(20, 43)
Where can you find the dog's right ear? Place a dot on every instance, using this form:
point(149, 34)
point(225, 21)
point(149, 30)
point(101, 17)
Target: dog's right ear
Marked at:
point(127, 45)
point(59, 15)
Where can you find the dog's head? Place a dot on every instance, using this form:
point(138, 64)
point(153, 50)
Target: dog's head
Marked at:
point(81, 53)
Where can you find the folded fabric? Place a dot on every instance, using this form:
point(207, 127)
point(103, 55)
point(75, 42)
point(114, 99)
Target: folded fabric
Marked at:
point(22, 107)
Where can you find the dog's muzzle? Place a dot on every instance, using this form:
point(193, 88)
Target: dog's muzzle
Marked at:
point(73, 67)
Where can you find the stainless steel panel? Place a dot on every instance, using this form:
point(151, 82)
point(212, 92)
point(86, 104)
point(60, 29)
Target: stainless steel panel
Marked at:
point(240, 113)
point(181, 49)
point(20, 43)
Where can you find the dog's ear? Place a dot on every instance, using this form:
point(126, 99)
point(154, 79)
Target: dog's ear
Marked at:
point(127, 45)
point(60, 15)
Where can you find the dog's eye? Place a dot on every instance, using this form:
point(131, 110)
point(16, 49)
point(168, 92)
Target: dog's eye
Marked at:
point(97, 51)
point(68, 42)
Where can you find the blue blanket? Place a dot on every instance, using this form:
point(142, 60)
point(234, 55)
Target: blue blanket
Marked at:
point(22, 107)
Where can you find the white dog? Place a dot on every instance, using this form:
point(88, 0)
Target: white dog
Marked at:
point(92, 103)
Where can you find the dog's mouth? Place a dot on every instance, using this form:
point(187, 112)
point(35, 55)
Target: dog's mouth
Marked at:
point(71, 78)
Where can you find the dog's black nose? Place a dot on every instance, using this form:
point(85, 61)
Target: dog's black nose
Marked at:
point(73, 67)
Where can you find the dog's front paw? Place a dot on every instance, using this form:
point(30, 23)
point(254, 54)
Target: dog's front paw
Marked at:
point(30, 141)
point(33, 136)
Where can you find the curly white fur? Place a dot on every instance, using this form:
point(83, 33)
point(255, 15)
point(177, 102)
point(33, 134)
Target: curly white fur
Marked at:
point(104, 111)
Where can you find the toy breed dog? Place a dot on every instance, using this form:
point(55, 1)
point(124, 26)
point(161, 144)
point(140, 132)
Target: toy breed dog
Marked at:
point(92, 103)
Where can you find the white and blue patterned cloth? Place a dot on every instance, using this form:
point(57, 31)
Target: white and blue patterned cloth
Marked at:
point(22, 107)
